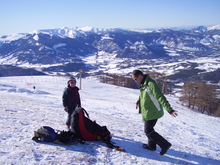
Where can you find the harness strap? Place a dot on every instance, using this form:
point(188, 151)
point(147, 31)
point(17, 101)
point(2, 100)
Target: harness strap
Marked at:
point(85, 112)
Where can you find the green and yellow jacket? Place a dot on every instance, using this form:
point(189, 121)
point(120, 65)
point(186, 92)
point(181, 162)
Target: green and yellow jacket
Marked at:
point(152, 100)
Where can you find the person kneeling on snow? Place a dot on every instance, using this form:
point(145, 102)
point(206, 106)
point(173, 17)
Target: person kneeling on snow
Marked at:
point(71, 99)
point(151, 103)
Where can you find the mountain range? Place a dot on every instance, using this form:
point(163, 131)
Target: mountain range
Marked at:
point(182, 54)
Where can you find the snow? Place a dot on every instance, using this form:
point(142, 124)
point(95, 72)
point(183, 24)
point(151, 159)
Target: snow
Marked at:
point(87, 28)
point(36, 37)
point(195, 137)
point(215, 27)
point(106, 37)
point(12, 37)
point(59, 45)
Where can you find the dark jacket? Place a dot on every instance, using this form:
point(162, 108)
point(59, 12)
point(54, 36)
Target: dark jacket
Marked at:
point(71, 98)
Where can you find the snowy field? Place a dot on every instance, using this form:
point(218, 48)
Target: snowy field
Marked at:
point(195, 137)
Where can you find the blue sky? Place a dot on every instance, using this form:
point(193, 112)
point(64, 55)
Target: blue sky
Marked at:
point(24, 16)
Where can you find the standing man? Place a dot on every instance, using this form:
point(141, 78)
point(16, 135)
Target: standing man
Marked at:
point(71, 99)
point(151, 103)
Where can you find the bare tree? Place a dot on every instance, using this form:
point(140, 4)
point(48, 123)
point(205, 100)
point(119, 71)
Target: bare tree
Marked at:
point(217, 112)
point(206, 100)
point(201, 95)
point(189, 94)
point(161, 80)
point(116, 79)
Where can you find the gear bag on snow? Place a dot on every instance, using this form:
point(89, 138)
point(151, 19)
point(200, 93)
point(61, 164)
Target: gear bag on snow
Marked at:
point(82, 128)
point(48, 134)
point(87, 129)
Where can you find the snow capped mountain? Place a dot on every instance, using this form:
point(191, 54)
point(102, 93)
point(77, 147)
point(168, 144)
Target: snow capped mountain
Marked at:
point(75, 32)
point(215, 27)
point(12, 37)
point(200, 29)
point(115, 50)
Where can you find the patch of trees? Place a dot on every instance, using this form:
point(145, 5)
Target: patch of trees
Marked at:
point(119, 80)
point(162, 80)
point(127, 81)
point(201, 96)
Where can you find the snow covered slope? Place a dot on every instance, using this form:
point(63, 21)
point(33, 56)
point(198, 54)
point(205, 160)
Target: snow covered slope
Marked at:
point(195, 137)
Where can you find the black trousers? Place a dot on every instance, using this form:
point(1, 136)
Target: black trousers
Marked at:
point(153, 137)
point(149, 129)
point(149, 126)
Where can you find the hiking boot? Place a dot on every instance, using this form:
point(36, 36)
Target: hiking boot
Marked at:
point(145, 146)
point(152, 144)
point(164, 149)
point(159, 140)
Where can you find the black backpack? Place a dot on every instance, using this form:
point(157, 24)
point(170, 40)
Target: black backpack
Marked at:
point(82, 128)
point(48, 134)
point(87, 129)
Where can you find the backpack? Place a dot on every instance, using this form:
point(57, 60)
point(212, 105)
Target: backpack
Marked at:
point(87, 129)
point(48, 134)
point(45, 134)
point(82, 128)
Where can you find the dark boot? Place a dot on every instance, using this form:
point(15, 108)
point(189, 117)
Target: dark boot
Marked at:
point(152, 144)
point(159, 140)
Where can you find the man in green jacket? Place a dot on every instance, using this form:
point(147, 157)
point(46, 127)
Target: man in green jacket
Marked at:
point(151, 103)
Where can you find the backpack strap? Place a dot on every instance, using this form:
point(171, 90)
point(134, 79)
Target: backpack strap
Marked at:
point(85, 112)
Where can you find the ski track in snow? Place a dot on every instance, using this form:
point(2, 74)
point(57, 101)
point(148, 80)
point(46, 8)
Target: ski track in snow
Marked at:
point(195, 137)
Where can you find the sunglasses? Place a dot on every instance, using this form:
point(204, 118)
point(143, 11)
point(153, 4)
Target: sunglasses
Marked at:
point(135, 79)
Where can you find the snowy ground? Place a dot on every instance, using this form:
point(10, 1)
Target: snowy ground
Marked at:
point(195, 137)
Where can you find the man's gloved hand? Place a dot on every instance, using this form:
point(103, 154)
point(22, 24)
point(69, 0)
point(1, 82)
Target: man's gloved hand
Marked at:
point(66, 109)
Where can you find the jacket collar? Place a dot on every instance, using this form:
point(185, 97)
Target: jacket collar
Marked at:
point(143, 82)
